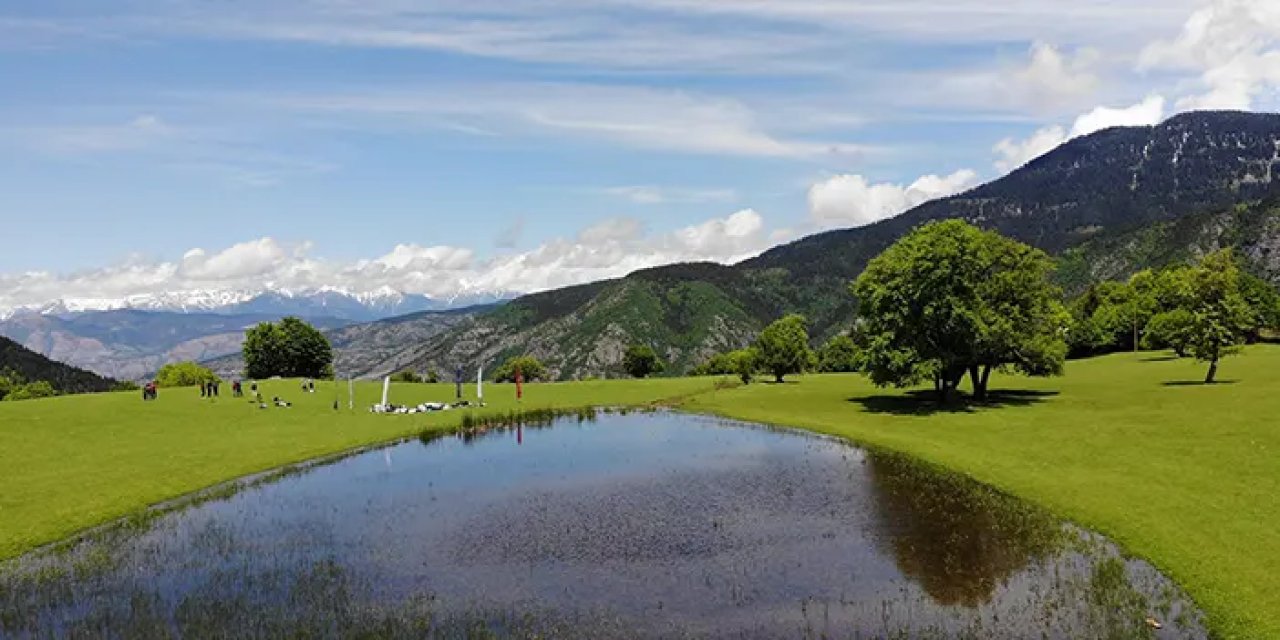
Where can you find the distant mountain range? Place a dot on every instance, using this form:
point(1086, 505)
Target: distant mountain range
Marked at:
point(373, 349)
point(127, 344)
point(1106, 204)
point(326, 302)
point(134, 337)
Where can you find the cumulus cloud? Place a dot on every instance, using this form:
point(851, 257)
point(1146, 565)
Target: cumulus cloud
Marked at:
point(1012, 153)
point(608, 249)
point(1234, 44)
point(849, 200)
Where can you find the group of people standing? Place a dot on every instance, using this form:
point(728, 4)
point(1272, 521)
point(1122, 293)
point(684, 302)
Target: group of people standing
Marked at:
point(209, 389)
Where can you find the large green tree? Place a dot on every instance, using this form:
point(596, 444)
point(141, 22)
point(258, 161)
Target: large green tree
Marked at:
point(640, 361)
point(949, 299)
point(783, 347)
point(1221, 315)
point(289, 348)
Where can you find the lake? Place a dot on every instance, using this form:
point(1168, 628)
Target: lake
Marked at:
point(611, 526)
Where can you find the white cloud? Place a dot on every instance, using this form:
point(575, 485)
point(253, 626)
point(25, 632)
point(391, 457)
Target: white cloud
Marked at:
point(1048, 78)
point(650, 194)
point(1012, 153)
point(1234, 44)
point(851, 201)
point(607, 249)
point(637, 117)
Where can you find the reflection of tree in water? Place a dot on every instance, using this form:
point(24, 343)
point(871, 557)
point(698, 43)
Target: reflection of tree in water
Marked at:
point(958, 539)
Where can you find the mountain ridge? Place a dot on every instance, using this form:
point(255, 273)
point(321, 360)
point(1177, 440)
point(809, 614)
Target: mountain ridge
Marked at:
point(1092, 187)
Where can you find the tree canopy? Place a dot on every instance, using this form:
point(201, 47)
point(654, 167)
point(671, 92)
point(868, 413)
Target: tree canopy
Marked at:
point(949, 299)
point(783, 347)
point(289, 348)
point(531, 369)
point(640, 361)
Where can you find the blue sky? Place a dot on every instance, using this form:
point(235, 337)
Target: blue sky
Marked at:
point(446, 146)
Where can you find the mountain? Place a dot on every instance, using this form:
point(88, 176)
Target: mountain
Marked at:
point(372, 349)
point(31, 367)
point(128, 344)
point(1101, 190)
point(324, 302)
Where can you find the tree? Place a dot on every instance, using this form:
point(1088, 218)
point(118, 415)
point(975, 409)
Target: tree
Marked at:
point(1170, 330)
point(290, 348)
point(640, 360)
point(949, 299)
point(839, 354)
point(783, 347)
point(406, 375)
point(530, 369)
point(184, 374)
point(1221, 315)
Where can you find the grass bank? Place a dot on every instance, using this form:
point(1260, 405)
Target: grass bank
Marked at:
point(69, 463)
point(1185, 475)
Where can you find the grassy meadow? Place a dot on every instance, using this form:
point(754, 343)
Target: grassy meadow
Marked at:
point(1185, 475)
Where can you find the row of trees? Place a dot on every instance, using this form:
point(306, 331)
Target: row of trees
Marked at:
point(1156, 309)
point(950, 301)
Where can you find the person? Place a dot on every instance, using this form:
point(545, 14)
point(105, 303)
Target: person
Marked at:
point(311, 386)
point(204, 389)
point(216, 384)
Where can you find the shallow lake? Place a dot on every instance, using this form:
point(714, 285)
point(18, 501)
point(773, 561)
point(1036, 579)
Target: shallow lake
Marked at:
point(637, 525)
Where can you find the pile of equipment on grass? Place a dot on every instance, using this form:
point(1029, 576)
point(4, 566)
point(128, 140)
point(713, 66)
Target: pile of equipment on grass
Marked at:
point(426, 407)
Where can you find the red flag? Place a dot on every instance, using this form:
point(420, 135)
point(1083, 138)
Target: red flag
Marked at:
point(519, 384)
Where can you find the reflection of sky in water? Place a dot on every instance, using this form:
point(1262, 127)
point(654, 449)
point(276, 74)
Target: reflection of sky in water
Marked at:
point(664, 521)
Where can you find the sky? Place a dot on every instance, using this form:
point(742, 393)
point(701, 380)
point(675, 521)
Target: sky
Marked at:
point(458, 146)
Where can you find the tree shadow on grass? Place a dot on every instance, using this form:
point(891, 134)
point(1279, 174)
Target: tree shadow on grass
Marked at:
point(1195, 383)
point(925, 402)
point(1167, 358)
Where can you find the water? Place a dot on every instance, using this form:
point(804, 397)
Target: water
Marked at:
point(641, 525)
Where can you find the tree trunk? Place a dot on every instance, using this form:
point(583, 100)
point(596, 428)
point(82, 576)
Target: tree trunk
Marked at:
point(1213, 370)
point(986, 377)
point(979, 385)
point(777, 377)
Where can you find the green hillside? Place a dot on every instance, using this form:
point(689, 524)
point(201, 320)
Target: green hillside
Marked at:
point(29, 366)
point(1109, 204)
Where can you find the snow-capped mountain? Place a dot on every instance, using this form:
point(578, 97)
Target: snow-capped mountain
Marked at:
point(328, 302)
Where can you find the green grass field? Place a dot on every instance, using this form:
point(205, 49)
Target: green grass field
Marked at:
point(1187, 476)
point(1184, 475)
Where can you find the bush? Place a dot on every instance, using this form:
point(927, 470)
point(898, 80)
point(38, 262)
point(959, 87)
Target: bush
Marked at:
point(184, 374)
point(406, 376)
point(31, 391)
point(838, 355)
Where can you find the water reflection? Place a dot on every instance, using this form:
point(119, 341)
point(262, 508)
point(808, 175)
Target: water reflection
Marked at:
point(957, 539)
point(633, 526)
